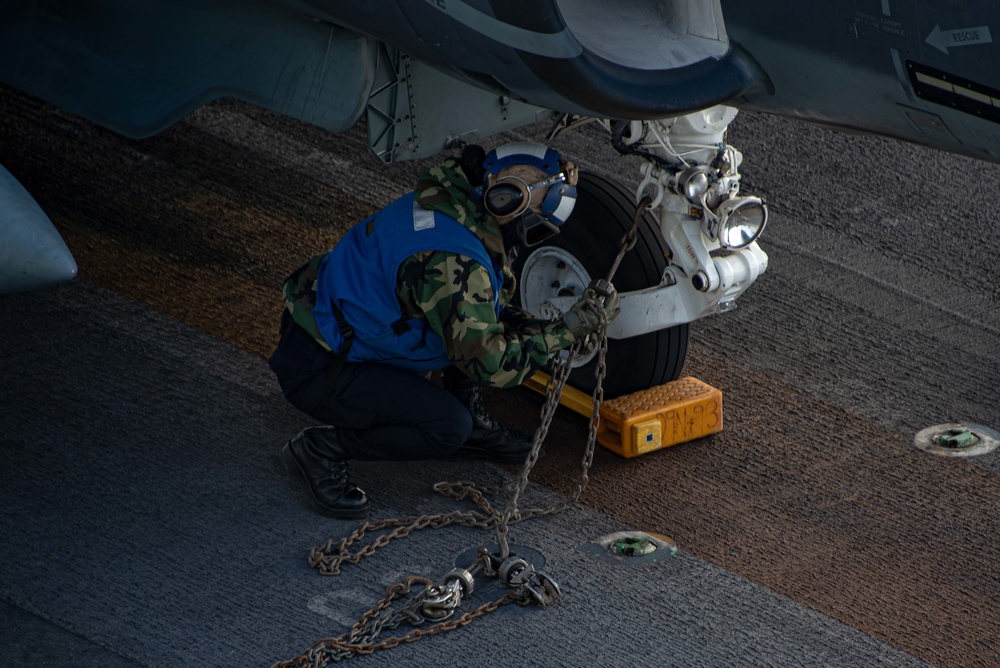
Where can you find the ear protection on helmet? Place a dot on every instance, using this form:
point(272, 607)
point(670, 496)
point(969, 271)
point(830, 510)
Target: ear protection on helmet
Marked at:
point(507, 197)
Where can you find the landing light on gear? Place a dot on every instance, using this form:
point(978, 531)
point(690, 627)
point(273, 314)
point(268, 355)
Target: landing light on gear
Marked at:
point(741, 220)
point(694, 185)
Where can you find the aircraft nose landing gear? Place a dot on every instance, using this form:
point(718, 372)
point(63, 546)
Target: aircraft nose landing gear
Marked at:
point(695, 251)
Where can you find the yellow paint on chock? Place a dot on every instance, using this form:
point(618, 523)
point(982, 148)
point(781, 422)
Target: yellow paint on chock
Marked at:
point(572, 398)
point(651, 419)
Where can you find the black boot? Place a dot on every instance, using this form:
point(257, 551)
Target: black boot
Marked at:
point(489, 439)
point(317, 459)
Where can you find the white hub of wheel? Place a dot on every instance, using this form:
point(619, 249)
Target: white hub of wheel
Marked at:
point(552, 272)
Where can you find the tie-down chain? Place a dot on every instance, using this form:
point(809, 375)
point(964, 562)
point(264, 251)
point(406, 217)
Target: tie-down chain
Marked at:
point(437, 604)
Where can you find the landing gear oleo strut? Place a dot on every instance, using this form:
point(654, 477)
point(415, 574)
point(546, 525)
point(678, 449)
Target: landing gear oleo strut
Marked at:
point(696, 252)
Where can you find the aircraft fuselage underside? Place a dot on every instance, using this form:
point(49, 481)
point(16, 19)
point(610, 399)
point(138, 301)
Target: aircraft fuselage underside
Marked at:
point(426, 74)
point(921, 71)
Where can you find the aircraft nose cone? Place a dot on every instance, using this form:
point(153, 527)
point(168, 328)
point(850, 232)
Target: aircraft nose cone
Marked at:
point(32, 254)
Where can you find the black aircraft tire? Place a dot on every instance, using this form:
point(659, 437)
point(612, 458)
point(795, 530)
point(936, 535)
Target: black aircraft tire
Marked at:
point(603, 213)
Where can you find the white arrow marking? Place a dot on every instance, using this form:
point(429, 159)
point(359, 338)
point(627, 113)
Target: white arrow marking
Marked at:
point(945, 39)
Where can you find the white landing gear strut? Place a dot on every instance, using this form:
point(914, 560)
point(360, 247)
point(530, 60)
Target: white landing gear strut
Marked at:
point(693, 178)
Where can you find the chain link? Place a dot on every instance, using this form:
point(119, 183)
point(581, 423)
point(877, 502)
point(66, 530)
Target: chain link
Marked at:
point(360, 639)
point(329, 558)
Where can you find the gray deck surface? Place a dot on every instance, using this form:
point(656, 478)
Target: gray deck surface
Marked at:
point(142, 510)
point(144, 519)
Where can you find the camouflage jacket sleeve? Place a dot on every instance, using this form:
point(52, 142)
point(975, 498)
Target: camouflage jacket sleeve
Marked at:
point(454, 294)
point(299, 292)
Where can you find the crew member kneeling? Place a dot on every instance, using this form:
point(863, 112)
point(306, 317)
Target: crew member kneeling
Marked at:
point(423, 284)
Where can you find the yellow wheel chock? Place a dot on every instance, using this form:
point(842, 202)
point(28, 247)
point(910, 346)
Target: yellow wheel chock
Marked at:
point(651, 419)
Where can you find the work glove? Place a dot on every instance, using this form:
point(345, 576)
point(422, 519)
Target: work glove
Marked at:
point(583, 318)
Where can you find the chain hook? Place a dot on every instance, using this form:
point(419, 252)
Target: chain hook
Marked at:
point(648, 171)
point(440, 602)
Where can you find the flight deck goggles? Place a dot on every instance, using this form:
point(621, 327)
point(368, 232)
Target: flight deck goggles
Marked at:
point(510, 195)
